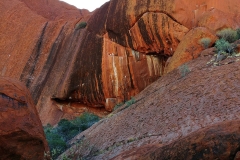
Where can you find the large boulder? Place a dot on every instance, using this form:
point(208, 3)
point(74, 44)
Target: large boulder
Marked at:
point(220, 141)
point(190, 47)
point(21, 131)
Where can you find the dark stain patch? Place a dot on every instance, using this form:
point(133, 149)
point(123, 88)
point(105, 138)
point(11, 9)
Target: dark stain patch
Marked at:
point(8, 102)
point(118, 27)
point(99, 18)
point(144, 32)
point(128, 67)
point(86, 80)
point(29, 68)
point(47, 69)
point(155, 19)
point(129, 40)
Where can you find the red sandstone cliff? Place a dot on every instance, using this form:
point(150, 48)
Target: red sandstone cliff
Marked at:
point(123, 49)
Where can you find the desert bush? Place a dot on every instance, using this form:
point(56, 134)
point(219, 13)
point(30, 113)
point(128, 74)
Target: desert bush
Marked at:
point(228, 34)
point(85, 121)
point(55, 142)
point(118, 105)
point(67, 130)
point(80, 25)
point(184, 70)
point(58, 136)
point(205, 42)
point(224, 46)
point(130, 102)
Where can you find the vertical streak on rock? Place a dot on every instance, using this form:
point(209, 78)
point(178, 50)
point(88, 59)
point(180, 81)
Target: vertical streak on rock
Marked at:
point(144, 32)
point(129, 71)
point(48, 66)
point(29, 68)
point(156, 30)
point(86, 69)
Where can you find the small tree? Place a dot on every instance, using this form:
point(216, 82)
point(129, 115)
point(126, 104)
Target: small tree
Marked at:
point(205, 42)
point(228, 34)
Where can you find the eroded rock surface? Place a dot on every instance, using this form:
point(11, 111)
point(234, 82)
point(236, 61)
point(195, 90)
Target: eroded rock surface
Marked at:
point(172, 112)
point(21, 132)
point(190, 47)
point(219, 141)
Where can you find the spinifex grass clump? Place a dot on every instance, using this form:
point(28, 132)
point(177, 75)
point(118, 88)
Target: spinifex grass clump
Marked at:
point(205, 42)
point(184, 70)
point(228, 34)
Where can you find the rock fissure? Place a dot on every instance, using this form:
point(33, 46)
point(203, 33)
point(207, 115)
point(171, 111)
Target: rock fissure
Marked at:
point(163, 12)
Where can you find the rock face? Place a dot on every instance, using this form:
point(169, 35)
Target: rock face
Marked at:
point(123, 49)
point(215, 142)
point(195, 116)
point(21, 132)
point(190, 47)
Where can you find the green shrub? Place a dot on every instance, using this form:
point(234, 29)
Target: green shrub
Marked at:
point(80, 25)
point(130, 102)
point(67, 129)
point(55, 142)
point(85, 121)
point(205, 42)
point(58, 136)
point(228, 34)
point(118, 105)
point(184, 70)
point(224, 46)
point(127, 104)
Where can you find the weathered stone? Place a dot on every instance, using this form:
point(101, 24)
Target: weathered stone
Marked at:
point(190, 47)
point(156, 33)
point(237, 157)
point(200, 108)
point(21, 132)
point(214, 142)
point(110, 103)
point(215, 20)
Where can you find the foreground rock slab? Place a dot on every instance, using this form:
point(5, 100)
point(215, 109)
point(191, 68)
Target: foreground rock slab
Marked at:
point(190, 112)
point(21, 132)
